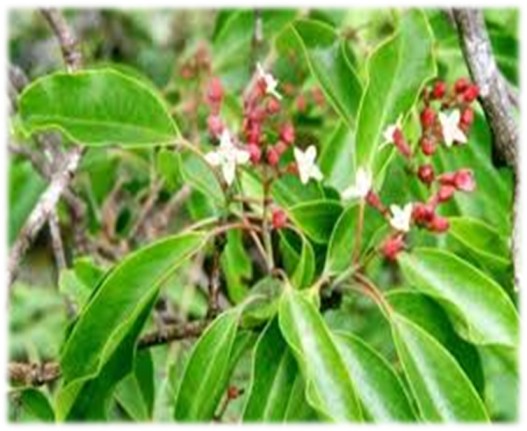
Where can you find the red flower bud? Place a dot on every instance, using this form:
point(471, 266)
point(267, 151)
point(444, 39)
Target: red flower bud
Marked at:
point(439, 224)
point(392, 246)
point(215, 91)
point(428, 116)
point(279, 218)
point(215, 125)
point(401, 144)
point(272, 156)
point(423, 213)
point(467, 117)
point(254, 133)
point(464, 180)
point(301, 103)
point(255, 153)
point(471, 93)
point(445, 193)
point(439, 90)
point(428, 146)
point(374, 200)
point(426, 173)
point(447, 178)
point(280, 147)
point(273, 106)
point(287, 133)
point(461, 85)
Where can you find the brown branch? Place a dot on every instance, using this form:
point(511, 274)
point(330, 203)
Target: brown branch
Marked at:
point(34, 374)
point(56, 241)
point(147, 207)
point(494, 94)
point(61, 179)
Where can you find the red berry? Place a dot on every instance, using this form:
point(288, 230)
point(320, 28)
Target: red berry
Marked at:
point(254, 133)
point(467, 117)
point(301, 103)
point(279, 218)
point(464, 180)
point(439, 90)
point(428, 116)
point(215, 91)
point(428, 146)
point(445, 193)
point(392, 246)
point(287, 133)
point(273, 106)
point(426, 173)
point(255, 153)
point(422, 213)
point(280, 147)
point(272, 156)
point(461, 85)
point(471, 93)
point(439, 224)
point(215, 125)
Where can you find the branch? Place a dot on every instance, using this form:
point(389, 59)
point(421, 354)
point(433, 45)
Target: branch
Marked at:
point(63, 176)
point(34, 374)
point(494, 94)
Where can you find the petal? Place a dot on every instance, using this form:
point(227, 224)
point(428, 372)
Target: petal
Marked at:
point(350, 193)
point(316, 173)
point(299, 156)
point(459, 136)
point(455, 115)
point(242, 156)
point(213, 158)
point(311, 154)
point(228, 170)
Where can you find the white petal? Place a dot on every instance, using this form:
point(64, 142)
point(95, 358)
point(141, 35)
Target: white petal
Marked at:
point(213, 158)
point(459, 136)
point(311, 153)
point(299, 156)
point(351, 192)
point(260, 69)
point(242, 156)
point(225, 140)
point(228, 170)
point(316, 173)
point(388, 133)
point(455, 115)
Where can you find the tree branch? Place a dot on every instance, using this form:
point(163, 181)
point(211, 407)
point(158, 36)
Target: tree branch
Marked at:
point(494, 94)
point(63, 176)
point(34, 374)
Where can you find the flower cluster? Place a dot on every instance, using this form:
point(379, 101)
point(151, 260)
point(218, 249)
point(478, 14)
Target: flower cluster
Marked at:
point(266, 135)
point(446, 118)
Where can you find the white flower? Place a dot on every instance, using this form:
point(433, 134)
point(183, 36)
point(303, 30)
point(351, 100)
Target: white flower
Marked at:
point(401, 217)
point(270, 82)
point(362, 186)
point(390, 130)
point(305, 161)
point(227, 156)
point(450, 128)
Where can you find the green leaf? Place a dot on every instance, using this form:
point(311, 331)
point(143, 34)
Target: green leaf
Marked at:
point(378, 386)
point(236, 266)
point(115, 109)
point(207, 372)
point(329, 387)
point(78, 283)
point(305, 268)
point(199, 175)
point(25, 188)
point(274, 372)
point(397, 71)
point(481, 310)
point(316, 218)
point(111, 321)
point(34, 406)
point(168, 167)
point(135, 393)
point(324, 51)
point(336, 157)
point(482, 240)
point(262, 304)
point(289, 191)
point(429, 315)
point(441, 389)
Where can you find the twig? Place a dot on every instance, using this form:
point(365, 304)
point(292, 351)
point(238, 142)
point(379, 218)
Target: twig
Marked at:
point(56, 241)
point(34, 374)
point(62, 178)
point(151, 199)
point(494, 95)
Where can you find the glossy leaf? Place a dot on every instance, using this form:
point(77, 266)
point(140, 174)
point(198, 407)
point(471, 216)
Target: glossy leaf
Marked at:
point(397, 71)
point(337, 159)
point(441, 389)
point(113, 318)
point(429, 315)
point(481, 310)
point(262, 304)
point(167, 164)
point(236, 266)
point(135, 393)
point(342, 241)
point(316, 218)
point(378, 386)
point(305, 268)
point(34, 406)
point(329, 387)
point(115, 109)
point(324, 51)
point(78, 283)
point(274, 372)
point(207, 371)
